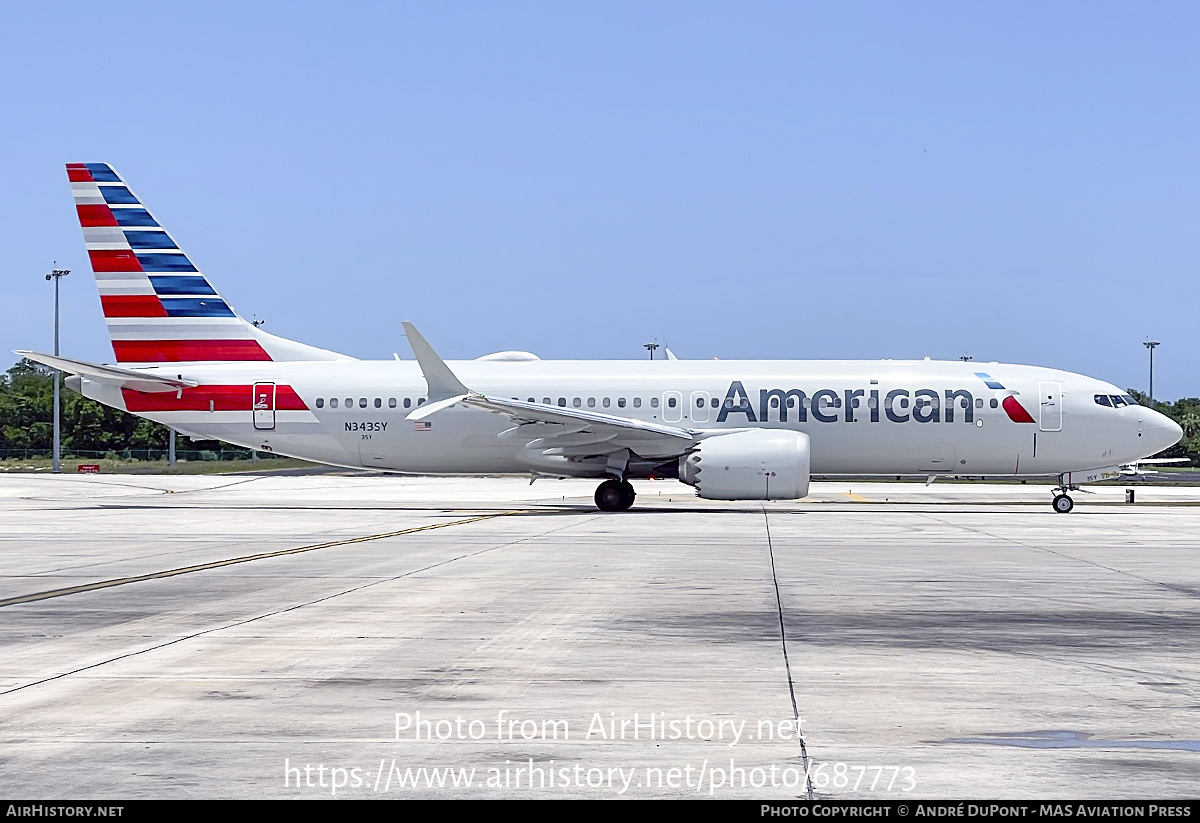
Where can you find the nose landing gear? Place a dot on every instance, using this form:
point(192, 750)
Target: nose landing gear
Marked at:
point(1062, 501)
point(614, 495)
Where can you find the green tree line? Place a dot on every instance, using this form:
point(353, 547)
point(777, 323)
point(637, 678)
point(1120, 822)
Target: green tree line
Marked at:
point(27, 417)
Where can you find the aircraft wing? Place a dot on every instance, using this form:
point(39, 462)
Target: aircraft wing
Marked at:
point(586, 431)
point(125, 378)
point(568, 431)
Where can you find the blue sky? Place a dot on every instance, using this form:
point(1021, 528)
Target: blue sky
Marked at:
point(1015, 181)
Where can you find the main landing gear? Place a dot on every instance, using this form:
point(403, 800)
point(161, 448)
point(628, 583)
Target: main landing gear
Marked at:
point(614, 495)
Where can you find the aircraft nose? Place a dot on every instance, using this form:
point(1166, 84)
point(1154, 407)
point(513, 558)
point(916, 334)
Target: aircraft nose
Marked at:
point(1161, 431)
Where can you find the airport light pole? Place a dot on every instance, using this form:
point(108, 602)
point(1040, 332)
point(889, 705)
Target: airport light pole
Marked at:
point(650, 347)
point(1151, 345)
point(56, 275)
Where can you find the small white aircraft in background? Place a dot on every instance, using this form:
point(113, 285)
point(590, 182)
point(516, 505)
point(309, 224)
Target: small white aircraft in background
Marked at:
point(734, 430)
point(1136, 471)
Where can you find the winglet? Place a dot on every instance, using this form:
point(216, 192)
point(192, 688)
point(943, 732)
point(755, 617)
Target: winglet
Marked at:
point(442, 383)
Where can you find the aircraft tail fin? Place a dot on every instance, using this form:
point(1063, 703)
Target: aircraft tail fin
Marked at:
point(158, 306)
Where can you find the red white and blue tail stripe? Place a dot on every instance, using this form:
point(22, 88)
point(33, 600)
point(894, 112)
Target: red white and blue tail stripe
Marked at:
point(158, 305)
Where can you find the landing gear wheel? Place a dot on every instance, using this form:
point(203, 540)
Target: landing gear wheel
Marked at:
point(627, 495)
point(610, 496)
point(1062, 503)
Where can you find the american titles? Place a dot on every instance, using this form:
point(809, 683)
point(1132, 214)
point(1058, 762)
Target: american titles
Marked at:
point(850, 405)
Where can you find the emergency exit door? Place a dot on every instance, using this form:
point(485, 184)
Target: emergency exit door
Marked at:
point(264, 406)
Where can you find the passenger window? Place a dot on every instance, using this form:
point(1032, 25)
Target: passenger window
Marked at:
point(671, 402)
point(562, 401)
point(378, 403)
point(621, 402)
point(699, 402)
point(607, 402)
point(774, 402)
point(408, 402)
point(637, 402)
point(333, 402)
point(716, 402)
point(591, 402)
point(531, 400)
point(729, 402)
point(546, 401)
point(791, 404)
point(362, 402)
point(320, 402)
point(576, 402)
point(979, 402)
point(391, 402)
point(873, 403)
point(995, 403)
point(420, 400)
point(349, 402)
point(654, 402)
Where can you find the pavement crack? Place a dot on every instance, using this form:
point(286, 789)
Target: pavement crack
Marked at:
point(786, 662)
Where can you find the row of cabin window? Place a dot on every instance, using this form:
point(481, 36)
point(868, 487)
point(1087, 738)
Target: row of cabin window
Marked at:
point(577, 402)
point(362, 402)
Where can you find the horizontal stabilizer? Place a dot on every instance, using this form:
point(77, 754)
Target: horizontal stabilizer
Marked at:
point(113, 376)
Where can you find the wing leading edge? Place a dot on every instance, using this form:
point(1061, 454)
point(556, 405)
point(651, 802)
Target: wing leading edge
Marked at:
point(551, 431)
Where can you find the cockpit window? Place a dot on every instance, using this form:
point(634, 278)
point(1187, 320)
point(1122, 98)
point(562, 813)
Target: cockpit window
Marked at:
point(1103, 400)
point(1118, 401)
point(1129, 400)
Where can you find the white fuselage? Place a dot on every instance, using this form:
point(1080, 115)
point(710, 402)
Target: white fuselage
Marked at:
point(862, 417)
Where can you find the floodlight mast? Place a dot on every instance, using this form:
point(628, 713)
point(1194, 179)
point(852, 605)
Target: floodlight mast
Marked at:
point(1151, 345)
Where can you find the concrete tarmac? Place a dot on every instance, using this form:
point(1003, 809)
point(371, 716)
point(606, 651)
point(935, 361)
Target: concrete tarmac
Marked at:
point(373, 636)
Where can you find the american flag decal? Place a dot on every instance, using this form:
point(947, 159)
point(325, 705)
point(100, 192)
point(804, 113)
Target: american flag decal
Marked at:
point(422, 426)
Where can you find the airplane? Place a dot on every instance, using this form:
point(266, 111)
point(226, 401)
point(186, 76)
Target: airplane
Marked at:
point(734, 430)
point(1137, 471)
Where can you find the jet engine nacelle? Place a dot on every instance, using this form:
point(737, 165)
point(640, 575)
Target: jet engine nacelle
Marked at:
point(763, 464)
